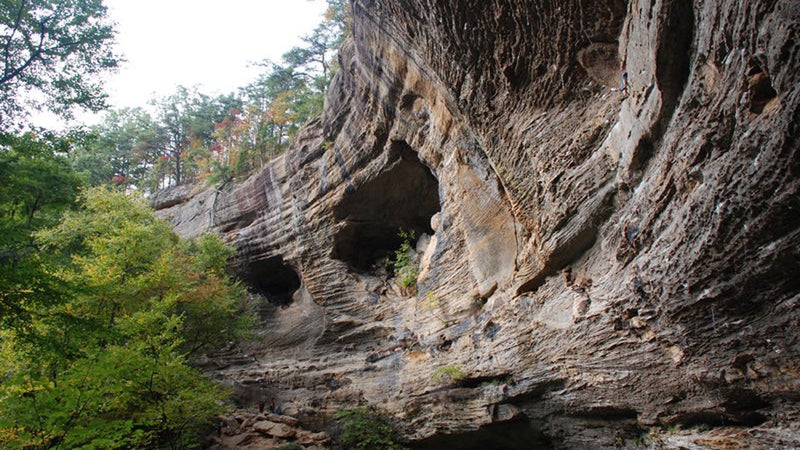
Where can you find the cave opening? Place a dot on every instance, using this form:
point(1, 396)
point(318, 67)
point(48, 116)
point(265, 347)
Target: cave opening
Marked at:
point(760, 89)
point(518, 434)
point(404, 196)
point(273, 279)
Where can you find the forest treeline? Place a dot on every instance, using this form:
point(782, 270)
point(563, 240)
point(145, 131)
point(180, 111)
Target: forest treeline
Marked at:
point(103, 308)
point(190, 137)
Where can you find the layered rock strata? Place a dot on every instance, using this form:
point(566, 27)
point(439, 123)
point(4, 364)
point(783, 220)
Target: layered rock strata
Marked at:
point(592, 263)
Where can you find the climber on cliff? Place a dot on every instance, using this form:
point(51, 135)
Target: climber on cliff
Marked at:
point(623, 87)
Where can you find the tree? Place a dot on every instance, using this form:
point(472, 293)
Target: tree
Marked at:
point(107, 365)
point(37, 183)
point(197, 137)
point(234, 152)
point(314, 58)
point(37, 187)
point(122, 149)
point(122, 259)
point(53, 49)
point(187, 120)
point(340, 13)
point(280, 101)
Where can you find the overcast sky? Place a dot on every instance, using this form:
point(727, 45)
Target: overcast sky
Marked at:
point(207, 43)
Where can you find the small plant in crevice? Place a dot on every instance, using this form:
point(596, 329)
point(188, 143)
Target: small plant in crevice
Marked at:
point(405, 263)
point(432, 303)
point(490, 383)
point(655, 435)
point(362, 429)
point(451, 373)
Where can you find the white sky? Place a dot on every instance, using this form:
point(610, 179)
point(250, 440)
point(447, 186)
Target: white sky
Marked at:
point(203, 43)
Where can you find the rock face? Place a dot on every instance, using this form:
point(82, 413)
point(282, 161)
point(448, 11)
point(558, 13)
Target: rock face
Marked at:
point(259, 431)
point(594, 263)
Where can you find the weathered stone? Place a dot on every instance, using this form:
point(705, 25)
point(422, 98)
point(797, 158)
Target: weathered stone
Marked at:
point(490, 127)
point(505, 413)
point(177, 195)
point(309, 438)
point(275, 429)
point(229, 425)
point(291, 421)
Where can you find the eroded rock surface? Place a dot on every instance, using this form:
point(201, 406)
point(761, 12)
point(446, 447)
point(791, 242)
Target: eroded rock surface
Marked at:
point(595, 263)
point(264, 431)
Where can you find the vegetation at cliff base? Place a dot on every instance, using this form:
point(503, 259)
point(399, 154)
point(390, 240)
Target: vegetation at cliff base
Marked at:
point(100, 356)
point(102, 310)
point(362, 429)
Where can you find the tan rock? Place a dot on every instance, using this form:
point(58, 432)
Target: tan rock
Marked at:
point(490, 127)
point(288, 420)
point(310, 438)
point(280, 430)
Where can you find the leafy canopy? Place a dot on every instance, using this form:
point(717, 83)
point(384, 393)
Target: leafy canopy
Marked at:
point(120, 149)
point(52, 54)
point(106, 364)
point(37, 187)
point(405, 262)
point(362, 429)
point(195, 137)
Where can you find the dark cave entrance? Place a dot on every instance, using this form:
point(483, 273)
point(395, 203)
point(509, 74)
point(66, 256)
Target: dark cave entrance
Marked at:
point(403, 197)
point(273, 279)
point(515, 435)
point(760, 89)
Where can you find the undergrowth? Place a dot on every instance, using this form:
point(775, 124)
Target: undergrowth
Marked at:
point(361, 429)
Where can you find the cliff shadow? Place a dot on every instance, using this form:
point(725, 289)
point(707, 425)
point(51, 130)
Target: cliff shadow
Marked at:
point(273, 279)
point(404, 196)
point(518, 434)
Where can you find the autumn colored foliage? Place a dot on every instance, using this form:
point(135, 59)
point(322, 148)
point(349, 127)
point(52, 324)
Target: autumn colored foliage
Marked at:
point(189, 136)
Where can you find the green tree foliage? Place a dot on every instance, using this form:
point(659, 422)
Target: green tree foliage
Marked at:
point(53, 50)
point(37, 186)
point(102, 307)
point(121, 258)
point(276, 104)
point(405, 262)
point(451, 373)
point(107, 364)
point(362, 430)
point(340, 13)
point(121, 150)
point(282, 99)
point(173, 146)
point(186, 119)
point(138, 395)
point(194, 137)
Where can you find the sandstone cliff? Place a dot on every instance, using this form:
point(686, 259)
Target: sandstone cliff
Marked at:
point(594, 263)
